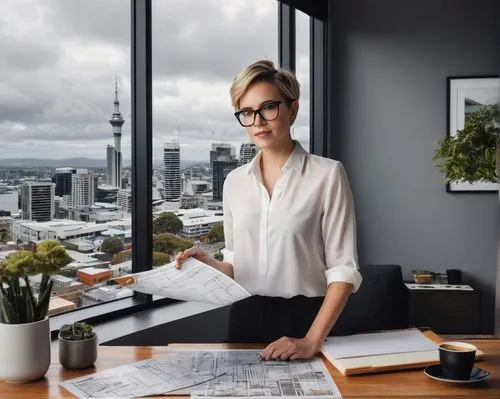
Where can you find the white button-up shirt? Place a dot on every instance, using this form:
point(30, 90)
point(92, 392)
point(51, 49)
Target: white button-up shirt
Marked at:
point(300, 239)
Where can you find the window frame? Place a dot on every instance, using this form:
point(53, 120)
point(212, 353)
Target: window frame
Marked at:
point(142, 141)
point(320, 122)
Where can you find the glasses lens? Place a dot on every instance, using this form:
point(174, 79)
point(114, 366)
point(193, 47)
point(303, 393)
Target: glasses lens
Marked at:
point(270, 111)
point(246, 118)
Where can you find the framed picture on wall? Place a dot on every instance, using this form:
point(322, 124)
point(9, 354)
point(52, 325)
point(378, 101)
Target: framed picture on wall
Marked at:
point(465, 95)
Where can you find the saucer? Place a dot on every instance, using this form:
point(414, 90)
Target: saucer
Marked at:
point(476, 375)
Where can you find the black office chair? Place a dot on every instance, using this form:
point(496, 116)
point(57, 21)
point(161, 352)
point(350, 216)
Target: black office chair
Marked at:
point(381, 302)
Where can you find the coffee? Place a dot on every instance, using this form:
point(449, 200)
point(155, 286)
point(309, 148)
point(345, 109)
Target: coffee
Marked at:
point(456, 348)
point(457, 359)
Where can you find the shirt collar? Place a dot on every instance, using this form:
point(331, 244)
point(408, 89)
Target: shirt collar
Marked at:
point(295, 160)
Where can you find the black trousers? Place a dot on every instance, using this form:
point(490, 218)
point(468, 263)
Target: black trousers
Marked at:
point(264, 319)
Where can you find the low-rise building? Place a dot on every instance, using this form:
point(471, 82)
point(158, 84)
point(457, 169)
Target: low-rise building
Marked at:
point(109, 293)
point(198, 222)
point(56, 229)
point(91, 275)
point(59, 305)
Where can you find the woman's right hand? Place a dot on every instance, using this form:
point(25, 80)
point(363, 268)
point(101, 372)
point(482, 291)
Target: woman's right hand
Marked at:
point(193, 252)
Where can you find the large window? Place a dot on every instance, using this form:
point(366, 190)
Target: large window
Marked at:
point(301, 128)
point(65, 160)
point(63, 138)
point(199, 46)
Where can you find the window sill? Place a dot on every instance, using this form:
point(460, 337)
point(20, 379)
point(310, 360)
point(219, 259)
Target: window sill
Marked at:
point(116, 319)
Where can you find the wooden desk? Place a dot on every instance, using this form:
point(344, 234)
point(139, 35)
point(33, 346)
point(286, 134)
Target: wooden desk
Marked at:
point(399, 384)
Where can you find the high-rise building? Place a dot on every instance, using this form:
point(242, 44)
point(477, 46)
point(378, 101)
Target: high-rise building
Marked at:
point(172, 170)
point(124, 199)
point(110, 164)
point(62, 179)
point(247, 152)
point(223, 160)
point(107, 194)
point(114, 154)
point(37, 201)
point(83, 190)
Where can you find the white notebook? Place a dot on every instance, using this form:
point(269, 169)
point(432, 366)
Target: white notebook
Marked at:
point(375, 352)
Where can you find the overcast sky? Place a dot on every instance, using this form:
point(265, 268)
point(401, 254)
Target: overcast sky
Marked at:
point(58, 60)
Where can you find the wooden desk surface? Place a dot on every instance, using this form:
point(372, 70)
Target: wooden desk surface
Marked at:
point(399, 384)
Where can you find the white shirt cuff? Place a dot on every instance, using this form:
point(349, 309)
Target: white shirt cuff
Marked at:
point(228, 255)
point(344, 274)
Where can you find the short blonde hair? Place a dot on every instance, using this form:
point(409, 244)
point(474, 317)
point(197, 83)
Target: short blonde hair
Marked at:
point(264, 71)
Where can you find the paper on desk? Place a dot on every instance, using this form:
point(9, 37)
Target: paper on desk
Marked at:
point(379, 343)
point(143, 378)
point(223, 374)
point(245, 375)
point(195, 281)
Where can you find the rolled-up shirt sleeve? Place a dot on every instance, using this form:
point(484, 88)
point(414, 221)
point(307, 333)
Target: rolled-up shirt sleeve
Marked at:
point(339, 231)
point(228, 251)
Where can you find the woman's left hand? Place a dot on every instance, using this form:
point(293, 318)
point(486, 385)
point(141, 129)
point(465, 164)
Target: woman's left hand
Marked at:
point(287, 348)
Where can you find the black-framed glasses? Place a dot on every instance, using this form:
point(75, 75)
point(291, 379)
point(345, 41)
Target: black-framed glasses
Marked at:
point(269, 112)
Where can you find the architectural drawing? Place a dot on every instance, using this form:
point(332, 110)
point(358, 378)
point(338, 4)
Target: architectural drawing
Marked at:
point(195, 281)
point(209, 374)
point(245, 375)
point(144, 378)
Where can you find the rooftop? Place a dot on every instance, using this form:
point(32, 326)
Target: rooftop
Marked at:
point(81, 257)
point(93, 271)
point(202, 220)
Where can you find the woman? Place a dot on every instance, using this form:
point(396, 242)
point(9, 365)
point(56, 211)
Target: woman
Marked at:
point(289, 226)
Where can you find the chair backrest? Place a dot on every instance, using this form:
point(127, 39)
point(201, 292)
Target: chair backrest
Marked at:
point(381, 303)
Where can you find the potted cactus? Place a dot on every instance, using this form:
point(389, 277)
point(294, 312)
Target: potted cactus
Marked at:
point(24, 325)
point(77, 346)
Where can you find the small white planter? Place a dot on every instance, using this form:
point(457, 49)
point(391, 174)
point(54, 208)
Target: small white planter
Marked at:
point(24, 351)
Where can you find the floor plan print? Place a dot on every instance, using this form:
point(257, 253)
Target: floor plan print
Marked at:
point(210, 374)
point(245, 375)
point(143, 378)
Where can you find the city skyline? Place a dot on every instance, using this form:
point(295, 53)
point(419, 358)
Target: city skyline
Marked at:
point(56, 76)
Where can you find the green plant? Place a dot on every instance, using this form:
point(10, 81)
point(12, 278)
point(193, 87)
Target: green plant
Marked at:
point(77, 331)
point(167, 222)
point(170, 243)
point(216, 234)
point(218, 255)
point(112, 245)
point(5, 234)
point(122, 256)
point(470, 155)
point(18, 303)
point(160, 259)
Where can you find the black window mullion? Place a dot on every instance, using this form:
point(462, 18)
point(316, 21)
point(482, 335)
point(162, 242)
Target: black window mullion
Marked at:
point(142, 137)
point(286, 36)
point(319, 90)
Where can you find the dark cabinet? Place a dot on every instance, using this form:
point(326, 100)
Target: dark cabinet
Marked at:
point(446, 311)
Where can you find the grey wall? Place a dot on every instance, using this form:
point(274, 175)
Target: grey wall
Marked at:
point(390, 63)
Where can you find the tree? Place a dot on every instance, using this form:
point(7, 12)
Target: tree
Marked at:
point(216, 234)
point(170, 243)
point(5, 235)
point(167, 222)
point(121, 257)
point(112, 245)
point(218, 255)
point(160, 259)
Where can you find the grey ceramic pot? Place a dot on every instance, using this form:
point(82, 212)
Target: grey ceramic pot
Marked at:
point(77, 354)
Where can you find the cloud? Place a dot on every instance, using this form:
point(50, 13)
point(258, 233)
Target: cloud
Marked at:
point(59, 59)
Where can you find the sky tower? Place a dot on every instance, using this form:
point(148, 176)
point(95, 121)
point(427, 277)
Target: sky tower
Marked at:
point(114, 154)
